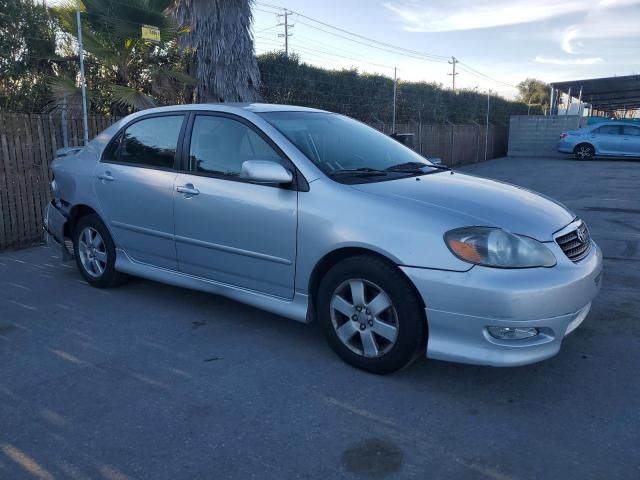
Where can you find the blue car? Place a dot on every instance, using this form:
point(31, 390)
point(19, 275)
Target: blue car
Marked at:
point(617, 139)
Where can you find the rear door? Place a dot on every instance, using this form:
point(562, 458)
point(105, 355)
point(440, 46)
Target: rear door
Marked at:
point(228, 229)
point(134, 182)
point(630, 140)
point(607, 139)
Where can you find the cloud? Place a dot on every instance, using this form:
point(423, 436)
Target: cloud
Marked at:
point(487, 14)
point(599, 24)
point(569, 36)
point(455, 15)
point(568, 61)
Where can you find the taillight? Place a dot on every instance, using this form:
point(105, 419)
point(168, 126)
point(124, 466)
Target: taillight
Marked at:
point(562, 135)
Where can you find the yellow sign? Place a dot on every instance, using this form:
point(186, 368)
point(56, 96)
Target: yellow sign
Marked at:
point(151, 33)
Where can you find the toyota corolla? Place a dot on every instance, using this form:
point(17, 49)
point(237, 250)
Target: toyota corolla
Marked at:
point(313, 215)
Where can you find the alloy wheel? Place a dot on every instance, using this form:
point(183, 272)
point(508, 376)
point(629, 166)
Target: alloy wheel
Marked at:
point(92, 251)
point(584, 152)
point(364, 318)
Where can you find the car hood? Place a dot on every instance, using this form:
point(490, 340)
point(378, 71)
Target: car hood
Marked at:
point(480, 201)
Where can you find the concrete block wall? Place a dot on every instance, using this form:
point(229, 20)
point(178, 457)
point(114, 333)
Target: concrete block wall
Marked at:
point(537, 135)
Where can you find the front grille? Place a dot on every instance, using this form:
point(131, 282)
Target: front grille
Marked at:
point(576, 244)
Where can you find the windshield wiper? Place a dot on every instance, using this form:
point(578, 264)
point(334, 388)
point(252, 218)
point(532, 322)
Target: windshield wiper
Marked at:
point(361, 172)
point(414, 167)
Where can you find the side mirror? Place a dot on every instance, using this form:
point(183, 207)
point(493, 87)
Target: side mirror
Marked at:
point(435, 160)
point(265, 171)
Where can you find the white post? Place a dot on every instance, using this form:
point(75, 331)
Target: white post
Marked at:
point(395, 90)
point(486, 130)
point(566, 111)
point(82, 79)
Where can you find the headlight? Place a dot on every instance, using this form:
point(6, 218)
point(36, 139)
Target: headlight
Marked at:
point(493, 247)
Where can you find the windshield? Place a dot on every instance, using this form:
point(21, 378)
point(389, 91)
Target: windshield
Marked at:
point(341, 145)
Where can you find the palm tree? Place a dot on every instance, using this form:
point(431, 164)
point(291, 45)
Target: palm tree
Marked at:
point(132, 72)
point(218, 32)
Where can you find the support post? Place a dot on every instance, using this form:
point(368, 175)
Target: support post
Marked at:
point(395, 93)
point(566, 110)
point(486, 130)
point(83, 84)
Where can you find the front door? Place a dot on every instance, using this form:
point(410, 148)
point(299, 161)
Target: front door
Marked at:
point(227, 229)
point(630, 140)
point(134, 183)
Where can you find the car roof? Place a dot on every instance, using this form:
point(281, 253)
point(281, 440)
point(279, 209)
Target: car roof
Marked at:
point(230, 106)
point(615, 122)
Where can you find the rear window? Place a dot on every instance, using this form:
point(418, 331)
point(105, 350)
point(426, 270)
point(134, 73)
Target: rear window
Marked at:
point(150, 142)
point(609, 130)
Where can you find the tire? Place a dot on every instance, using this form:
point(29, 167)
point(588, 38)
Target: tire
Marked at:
point(584, 151)
point(96, 253)
point(357, 327)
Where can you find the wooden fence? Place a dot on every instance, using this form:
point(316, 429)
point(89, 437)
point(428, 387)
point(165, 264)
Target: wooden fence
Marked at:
point(28, 143)
point(456, 145)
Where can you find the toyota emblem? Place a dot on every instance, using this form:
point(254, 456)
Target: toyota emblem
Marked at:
point(581, 234)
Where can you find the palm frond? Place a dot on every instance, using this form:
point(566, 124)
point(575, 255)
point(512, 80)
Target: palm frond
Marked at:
point(65, 94)
point(131, 98)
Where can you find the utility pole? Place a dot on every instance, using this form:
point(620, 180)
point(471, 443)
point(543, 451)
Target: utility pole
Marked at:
point(453, 62)
point(286, 33)
point(82, 79)
point(395, 92)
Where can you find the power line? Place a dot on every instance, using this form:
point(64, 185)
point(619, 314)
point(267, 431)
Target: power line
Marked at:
point(385, 46)
point(477, 73)
point(395, 49)
point(344, 37)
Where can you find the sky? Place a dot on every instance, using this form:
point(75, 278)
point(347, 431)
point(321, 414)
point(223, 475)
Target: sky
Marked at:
point(553, 40)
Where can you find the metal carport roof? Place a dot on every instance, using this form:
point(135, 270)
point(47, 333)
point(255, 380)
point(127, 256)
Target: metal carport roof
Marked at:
point(609, 93)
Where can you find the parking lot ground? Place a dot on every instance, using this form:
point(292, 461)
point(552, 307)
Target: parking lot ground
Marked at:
point(156, 382)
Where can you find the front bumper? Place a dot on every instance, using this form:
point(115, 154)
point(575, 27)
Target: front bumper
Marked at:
point(461, 305)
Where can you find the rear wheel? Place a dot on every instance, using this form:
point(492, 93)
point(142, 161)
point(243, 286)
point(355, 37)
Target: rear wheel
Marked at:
point(584, 151)
point(371, 315)
point(95, 253)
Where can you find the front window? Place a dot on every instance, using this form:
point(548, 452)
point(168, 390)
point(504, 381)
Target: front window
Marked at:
point(340, 145)
point(220, 145)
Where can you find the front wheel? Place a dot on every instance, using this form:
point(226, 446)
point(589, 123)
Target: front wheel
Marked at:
point(370, 314)
point(584, 151)
point(95, 253)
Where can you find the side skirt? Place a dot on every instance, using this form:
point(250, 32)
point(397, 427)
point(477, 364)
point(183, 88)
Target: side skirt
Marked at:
point(295, 309)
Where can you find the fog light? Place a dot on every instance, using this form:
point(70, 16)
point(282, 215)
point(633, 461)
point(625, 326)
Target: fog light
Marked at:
point(512, 333)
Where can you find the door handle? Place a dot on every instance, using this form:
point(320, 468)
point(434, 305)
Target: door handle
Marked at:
point(106, 177)
point(188, 189)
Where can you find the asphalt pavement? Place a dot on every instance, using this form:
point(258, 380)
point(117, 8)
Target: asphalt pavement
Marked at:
point(148, 381)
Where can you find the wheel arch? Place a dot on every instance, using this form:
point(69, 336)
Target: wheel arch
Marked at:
point(333, 258)
point(75, 214)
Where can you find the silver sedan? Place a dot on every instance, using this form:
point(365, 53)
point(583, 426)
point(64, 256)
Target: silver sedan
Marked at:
point(313, 215)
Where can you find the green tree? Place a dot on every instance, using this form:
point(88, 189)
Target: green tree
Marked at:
point(534, 92)
point(124, 72)
point(218, 33)
point(27, 54)
point(369, 97)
